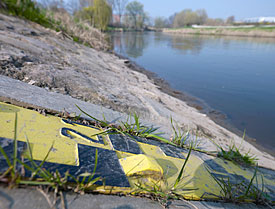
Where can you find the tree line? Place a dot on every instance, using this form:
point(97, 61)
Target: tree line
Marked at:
point(188, 17)
point(122, 13)
point(104, 13)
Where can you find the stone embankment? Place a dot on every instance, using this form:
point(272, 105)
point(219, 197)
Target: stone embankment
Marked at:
point(41, 57)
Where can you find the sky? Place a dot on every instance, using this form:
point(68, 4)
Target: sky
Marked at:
point(215, 8)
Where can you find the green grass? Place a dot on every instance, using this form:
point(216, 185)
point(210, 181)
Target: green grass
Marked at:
point(269, 29)
point(179, 137)
point(133, 127)
point(233, 154)
point(243, 191)
point(224, 30)
point(29, 10)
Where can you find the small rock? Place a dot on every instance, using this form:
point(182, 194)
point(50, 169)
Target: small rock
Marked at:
point(28, 63)
point(31, 82)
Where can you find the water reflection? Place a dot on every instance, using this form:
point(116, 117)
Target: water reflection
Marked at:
point(187, 44)
point(131, 44)
point(195, 43)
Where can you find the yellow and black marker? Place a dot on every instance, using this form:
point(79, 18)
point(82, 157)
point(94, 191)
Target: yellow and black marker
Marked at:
point(122, 161)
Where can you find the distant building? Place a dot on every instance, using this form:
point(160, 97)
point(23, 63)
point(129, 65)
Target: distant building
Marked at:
point(116, 19)
point(260, 20)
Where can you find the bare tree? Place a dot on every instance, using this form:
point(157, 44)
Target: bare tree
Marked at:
point(136, 14)
point(230, 20)
point(52, 4)
point(187, 18)
point(171, 19)
point(161, 22)
point(214, 22)
point(86, 3)
point(118, 7)
point(202, 16)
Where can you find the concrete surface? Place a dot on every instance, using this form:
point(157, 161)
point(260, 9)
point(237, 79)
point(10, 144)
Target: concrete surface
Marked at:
point(32, 198)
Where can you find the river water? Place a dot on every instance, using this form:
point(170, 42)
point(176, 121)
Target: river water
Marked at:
point(234, 75)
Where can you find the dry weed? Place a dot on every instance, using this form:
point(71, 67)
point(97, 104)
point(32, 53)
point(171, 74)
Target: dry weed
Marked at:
point(80, 31)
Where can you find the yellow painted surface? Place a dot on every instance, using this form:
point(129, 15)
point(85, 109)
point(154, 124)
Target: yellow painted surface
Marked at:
point(43, 132)
point(148, 169)
point(141, 165)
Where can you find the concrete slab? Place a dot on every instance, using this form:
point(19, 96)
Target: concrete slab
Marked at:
point(27, 93)
point(31, 198)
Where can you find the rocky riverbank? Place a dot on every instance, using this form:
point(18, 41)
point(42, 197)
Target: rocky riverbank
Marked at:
point(44, 58)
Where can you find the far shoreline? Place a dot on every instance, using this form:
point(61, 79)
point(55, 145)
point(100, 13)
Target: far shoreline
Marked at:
point(217, 116)
point(240, 32)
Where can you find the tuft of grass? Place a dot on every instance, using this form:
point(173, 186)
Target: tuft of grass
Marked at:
point(179, 136)
point(11, 175)
point(132, 127)
point(135, 128)
point(243, 191)
point(233, 154)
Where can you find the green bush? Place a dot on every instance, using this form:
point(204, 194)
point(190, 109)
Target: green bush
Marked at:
point(98, 15)
point(27, 9)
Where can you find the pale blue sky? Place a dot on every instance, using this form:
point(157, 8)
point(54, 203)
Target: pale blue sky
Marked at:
point(215, 8)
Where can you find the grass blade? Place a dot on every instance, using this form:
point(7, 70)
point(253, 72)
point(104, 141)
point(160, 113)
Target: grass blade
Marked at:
point(181, 171)
point(137, 122)
point(102, 122)
point(251, 181)
point(96, 160)
point(6, 156)
point(46, 174)
point(15, 144)
point(161, 139)
point(35, 183)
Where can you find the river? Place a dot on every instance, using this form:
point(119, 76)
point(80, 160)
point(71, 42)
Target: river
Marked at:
point(234, 75)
